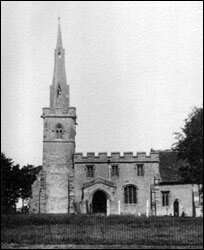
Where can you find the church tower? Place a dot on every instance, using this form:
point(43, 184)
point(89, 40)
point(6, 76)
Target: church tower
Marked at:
point(59, 130)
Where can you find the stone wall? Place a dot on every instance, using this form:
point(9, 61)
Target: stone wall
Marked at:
point(186, 195)
point(58, 159)
point(127, 165)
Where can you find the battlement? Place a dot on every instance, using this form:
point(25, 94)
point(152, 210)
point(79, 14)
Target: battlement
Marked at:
point(103, 157)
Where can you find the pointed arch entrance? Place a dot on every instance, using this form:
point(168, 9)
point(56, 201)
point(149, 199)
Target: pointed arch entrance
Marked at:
point(99, 202)
point(176, 208)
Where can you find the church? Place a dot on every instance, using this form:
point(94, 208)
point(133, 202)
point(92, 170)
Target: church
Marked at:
point(131, 183)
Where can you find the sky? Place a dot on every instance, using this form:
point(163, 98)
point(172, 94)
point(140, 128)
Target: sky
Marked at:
point(134, 70)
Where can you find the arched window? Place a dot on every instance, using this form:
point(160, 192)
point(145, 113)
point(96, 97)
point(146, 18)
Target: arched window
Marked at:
point(130, 194)
point(59, 131)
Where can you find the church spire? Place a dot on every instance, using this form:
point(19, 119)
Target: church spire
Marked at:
point(59, 95)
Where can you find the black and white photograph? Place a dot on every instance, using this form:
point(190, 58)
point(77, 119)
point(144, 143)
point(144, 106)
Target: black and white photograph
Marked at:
point(102, 124)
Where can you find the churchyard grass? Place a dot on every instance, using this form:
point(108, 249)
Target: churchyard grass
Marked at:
point(99, 229)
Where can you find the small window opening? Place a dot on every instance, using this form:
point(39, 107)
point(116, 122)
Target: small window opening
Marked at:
point(59, 131)
point(115, 171)
point(165, 198)
point(59, 91)
point(140, 170)
point(90, 171)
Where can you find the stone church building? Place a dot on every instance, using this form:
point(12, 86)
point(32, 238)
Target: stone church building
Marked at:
point(71, 182)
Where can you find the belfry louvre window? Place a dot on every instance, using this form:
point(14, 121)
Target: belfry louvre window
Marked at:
point(90, 171)
point(115, 171)
point(165, 198)
point(59, 131)
point(130, 194)
point(140, 169)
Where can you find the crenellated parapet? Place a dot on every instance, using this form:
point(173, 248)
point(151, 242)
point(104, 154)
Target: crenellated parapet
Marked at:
point(116, 157)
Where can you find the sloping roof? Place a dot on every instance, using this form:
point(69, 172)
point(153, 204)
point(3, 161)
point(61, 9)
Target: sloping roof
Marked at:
point(169, 167)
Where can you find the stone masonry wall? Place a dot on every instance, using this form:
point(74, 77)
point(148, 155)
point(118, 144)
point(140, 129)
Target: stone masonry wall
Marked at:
point(58, 159)
point(184, 193)
point(127, 165)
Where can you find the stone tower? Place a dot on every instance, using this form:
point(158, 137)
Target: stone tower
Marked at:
point(59, 128)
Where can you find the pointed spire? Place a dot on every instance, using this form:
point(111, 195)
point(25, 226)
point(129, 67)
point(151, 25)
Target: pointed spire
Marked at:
point(59, 35)
point(59, 95)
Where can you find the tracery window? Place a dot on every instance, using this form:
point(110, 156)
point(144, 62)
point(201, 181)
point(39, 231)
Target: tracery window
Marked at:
point(130, 194)
point(90, 171)
point(140, 169)
point(165, 198)
point(115, 171)
point(59, 131)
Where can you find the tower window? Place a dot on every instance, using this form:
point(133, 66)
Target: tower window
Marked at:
point(140, 170)
point(59, 131)
point(165, 198)
point(130, 194)
point(59, 55)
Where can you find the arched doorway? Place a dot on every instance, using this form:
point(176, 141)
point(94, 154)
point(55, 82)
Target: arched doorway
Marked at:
point(99, 202)
point(176, 208)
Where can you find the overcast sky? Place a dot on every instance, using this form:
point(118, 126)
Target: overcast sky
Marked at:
point(134, 70)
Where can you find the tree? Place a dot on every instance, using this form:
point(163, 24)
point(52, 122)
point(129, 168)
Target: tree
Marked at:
point(190, 147)
point(10, 185)
point(16, 183)
point(27, 177)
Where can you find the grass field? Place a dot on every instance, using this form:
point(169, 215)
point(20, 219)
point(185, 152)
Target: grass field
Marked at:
point(93, 229)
